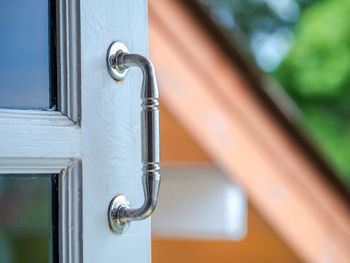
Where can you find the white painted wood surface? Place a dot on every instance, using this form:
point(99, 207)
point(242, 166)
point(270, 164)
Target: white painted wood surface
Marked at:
point(110, 129)
point(42, 142)
point(38, 134)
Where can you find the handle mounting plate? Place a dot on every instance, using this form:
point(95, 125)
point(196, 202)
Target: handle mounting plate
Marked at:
point(116, 226)
point(116, 72)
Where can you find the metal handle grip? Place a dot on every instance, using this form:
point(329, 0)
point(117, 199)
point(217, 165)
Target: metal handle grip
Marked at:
point(119, 213)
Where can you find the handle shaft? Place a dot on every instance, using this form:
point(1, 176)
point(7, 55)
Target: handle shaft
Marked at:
point(149, 136)
point(120, 214)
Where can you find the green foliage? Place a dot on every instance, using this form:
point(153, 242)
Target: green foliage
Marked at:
point(316, 74)
point(248, 17)
point(316, 71)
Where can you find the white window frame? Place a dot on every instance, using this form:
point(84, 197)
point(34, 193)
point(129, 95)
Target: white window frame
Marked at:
point(94, 143)
point(48, 142)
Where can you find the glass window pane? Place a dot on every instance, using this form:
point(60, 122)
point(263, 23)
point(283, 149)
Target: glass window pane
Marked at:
point(28, 218)
point(24, 54)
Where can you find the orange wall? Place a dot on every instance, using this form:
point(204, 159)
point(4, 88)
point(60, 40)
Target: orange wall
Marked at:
point(176, 144)
point(261, 243)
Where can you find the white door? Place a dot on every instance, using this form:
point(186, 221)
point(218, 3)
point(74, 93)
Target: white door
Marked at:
point(88, 136)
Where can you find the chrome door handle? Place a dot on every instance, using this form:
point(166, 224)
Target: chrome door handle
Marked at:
point(119, 213)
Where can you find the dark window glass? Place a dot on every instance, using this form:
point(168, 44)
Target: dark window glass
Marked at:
point(26, 31)
point(28, 218)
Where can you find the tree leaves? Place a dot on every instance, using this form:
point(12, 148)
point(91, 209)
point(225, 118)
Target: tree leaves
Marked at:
point(316, 74)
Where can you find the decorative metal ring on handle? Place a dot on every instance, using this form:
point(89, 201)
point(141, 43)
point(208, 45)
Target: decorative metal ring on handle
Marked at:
point(119, 213)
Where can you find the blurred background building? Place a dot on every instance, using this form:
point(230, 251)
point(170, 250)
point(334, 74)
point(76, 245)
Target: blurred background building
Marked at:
point(259, 90)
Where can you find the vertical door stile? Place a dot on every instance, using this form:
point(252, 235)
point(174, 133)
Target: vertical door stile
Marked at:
point(110, 124)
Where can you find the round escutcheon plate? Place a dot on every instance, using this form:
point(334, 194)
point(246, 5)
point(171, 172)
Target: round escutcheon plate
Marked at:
point(114, 71)
point(115, 225)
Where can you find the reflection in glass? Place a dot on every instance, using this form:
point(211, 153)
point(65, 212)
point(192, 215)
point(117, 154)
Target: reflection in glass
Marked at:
point(24, 54)
point(26, 204)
